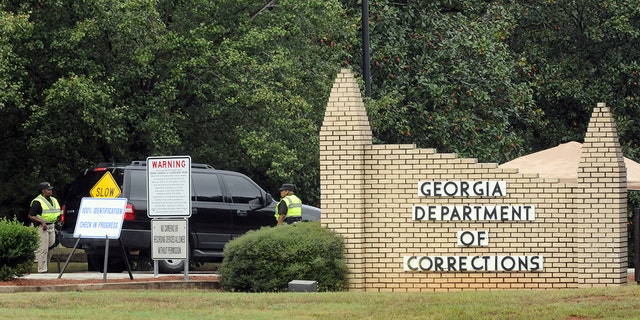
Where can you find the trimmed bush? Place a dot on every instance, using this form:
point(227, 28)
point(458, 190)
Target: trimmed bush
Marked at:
point(266, 260)
point(17, 244)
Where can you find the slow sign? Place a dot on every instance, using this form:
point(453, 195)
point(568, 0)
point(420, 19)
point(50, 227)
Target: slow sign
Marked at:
point(106, 187)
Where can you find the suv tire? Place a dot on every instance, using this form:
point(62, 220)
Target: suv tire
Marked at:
point(170, 266)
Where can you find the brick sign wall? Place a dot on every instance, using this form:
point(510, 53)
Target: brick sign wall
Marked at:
point(417, 220)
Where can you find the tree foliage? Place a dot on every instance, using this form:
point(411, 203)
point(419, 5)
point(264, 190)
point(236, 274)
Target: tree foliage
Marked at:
point(242, 85)
point(449, 79)
point(581, 53)
point(15, 32)
point(498, 79)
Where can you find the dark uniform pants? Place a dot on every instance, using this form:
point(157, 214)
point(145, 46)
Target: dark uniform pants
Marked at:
point(291, 220)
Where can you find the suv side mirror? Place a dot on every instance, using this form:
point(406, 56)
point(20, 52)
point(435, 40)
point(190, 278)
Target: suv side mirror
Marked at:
point(268, 198)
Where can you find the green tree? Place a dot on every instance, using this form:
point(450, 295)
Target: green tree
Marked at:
point(443, 76)
point(274, 76)
point(240, 85)
point(15, 30)
point(581, 53)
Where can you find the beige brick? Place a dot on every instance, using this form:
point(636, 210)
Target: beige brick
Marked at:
point(580, 228)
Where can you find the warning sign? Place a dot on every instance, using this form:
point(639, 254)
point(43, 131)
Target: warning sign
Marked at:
point(169, 186)
point(106, 187)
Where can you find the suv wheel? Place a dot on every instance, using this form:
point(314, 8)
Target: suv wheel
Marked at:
point(171, 266)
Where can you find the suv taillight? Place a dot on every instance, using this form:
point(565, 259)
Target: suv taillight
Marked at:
point(62, 209)
point(129, 212)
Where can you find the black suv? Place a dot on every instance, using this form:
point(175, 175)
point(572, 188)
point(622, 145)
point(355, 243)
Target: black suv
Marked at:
point(225, 205)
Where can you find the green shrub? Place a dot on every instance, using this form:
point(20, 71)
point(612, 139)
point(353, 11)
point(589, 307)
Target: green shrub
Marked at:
point(17, 244)
point(266, 260)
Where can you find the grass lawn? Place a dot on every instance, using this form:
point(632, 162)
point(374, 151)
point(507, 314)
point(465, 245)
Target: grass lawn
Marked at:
point(574, 304)
point(570, 304)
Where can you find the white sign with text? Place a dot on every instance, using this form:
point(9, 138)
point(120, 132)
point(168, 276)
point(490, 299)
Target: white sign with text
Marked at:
point(169, 186)
point(100, 218)
point(470, 238)
point(169, 239)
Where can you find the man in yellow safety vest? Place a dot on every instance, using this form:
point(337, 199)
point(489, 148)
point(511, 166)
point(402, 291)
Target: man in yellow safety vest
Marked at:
point(44, 212)
point(289, 208)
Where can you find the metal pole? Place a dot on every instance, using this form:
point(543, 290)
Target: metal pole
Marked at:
point(106, 259)
point(636, 244)
point(366, 69)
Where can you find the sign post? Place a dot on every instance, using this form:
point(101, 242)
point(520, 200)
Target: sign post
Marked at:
point(169, 198)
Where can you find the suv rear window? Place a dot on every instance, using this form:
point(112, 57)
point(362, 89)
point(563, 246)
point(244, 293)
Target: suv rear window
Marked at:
point(138, 186)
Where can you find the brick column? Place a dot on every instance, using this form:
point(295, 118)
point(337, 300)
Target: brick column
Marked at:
point(601, 202)
point(344, 135)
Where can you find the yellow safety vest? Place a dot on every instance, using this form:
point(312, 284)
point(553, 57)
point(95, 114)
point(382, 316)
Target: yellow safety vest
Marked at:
point(294, 206)
point(50, 210)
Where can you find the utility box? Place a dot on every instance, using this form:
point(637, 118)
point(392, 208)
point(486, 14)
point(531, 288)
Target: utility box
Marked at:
point(303, 286)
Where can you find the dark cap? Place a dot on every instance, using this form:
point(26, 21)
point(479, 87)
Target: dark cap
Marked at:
point(288, 186)
point(44, 186)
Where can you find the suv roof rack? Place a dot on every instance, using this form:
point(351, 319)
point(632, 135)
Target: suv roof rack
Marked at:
point(193, 165)
point(202, 166)
point(110, 164)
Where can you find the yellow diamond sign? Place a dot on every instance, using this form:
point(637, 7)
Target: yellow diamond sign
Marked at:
point(106, 187)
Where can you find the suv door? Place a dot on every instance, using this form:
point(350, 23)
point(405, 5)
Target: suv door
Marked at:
point(211, 217)
point(250, 212)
